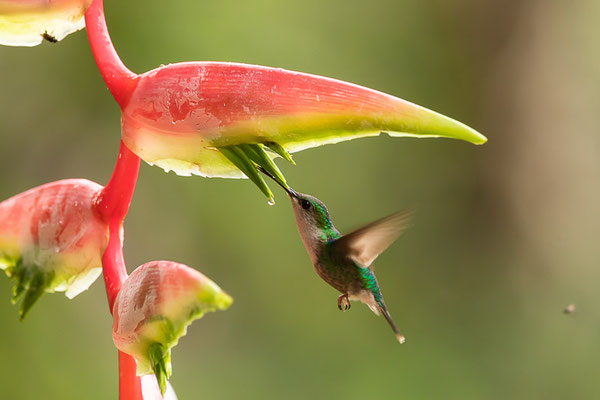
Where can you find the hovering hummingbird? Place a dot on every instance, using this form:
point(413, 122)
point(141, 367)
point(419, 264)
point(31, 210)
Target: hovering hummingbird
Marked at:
point(344, 261)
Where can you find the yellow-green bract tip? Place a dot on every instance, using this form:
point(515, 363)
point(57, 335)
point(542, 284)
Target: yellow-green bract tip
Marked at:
point(222, 300)
point(432, 124)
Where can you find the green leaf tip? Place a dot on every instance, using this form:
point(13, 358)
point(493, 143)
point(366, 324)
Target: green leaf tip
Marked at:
point(160, 360)
point(222, 300)
point(433, 124)
point(257, 153)
point(246, 158)
point(32, 294)
point(30, 284)
point(278, 149)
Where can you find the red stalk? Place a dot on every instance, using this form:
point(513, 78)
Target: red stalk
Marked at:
point(113, 201)
point(113, 265)
point(115, 273)
point(130, 386)
point(118, 78)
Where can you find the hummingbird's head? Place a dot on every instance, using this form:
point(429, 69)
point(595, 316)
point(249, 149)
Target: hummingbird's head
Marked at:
point(313, 222)
point(310, 211)
point(312, 217)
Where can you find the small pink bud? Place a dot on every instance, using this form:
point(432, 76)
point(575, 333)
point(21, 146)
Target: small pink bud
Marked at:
point(52, 240)
point(28, 22)
point(153, 309)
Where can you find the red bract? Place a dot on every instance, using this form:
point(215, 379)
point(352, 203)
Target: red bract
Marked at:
point(217, 119)
point(52, 239)
point(179, 114)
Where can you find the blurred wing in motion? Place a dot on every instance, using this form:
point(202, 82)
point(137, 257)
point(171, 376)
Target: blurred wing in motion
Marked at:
point(364, 245)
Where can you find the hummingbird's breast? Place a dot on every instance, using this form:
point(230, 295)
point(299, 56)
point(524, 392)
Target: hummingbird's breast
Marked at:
point(338, 274)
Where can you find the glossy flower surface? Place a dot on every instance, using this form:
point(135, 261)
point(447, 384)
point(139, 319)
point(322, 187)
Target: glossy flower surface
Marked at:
point(153, 309)
point(25, 22)
point(52, 239)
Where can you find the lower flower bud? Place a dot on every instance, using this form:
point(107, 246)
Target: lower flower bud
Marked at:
point(153, 309)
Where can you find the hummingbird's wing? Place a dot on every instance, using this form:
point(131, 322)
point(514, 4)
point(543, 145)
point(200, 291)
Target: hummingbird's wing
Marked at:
point(364, 245)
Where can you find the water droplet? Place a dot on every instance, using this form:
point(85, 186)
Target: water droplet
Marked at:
point(271, 202)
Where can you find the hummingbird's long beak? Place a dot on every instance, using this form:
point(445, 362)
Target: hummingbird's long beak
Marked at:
point(288, 189)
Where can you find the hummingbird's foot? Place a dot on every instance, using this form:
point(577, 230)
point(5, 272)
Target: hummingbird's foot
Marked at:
point(343, 302)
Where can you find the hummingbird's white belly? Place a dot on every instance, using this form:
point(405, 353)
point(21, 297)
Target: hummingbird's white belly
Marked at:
point(365, 297)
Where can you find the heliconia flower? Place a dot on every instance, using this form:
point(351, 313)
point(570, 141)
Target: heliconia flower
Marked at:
point(52, 240)
point(28, 22)
point(153, 309)
point(179, 116)
point(219, 119)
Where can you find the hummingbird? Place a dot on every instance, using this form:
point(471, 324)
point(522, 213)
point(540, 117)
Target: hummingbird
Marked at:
point(345, 261)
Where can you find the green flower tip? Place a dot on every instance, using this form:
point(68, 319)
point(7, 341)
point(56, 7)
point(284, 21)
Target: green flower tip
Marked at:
point(30, 284)
point(160, 360)
point(222, 301)
point(249, 158)
point(437, 125)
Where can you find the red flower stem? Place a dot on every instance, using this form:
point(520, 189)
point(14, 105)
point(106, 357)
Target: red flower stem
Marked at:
point(113, 201)
point(130, 386)
point(119, 80)
point(113, 265)
point(115, 273)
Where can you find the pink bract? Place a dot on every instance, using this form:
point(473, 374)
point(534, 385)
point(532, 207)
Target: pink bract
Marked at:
point(153, 309)
point(52, 235)
point(178, 115)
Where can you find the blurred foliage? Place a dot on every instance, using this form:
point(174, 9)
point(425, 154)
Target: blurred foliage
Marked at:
point(504, 237)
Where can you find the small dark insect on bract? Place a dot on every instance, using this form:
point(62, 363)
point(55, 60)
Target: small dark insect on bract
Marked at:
point(49, 37)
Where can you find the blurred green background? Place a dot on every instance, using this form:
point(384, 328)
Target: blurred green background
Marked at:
point(504, 238)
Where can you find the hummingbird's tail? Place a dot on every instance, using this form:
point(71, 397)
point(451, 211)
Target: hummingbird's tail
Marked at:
point(389, 320)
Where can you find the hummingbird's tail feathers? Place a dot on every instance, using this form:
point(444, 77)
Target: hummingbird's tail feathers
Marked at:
point(374, 307)
point(388, 318)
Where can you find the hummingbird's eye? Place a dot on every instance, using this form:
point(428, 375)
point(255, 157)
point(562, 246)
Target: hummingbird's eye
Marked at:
point(305, 204)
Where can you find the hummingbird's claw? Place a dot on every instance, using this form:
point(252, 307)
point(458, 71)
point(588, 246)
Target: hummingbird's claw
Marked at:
point(343, 302)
